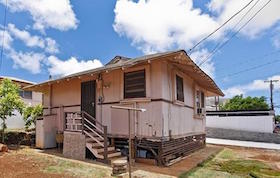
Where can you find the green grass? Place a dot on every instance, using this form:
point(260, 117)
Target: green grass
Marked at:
point(75, 169)
point(248, 168)
point(227, 164)
point(226, 154)
point(56, 165)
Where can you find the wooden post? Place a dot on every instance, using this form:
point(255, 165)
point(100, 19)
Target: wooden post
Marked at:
point(129, 145)
point(105, 145)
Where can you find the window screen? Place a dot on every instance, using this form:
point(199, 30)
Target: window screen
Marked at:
point(134, 84)
point(180, 88)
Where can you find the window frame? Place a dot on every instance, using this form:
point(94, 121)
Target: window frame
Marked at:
point(124, 84)
point(22, 94)
point(199, 102)
point(179, 79)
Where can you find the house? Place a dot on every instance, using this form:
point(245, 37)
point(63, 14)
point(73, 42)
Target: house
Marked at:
point(170, 86)
point(215, 103)
point(30, 98)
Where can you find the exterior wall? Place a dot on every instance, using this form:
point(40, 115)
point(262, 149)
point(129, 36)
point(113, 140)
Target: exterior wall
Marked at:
point(16, 121)
point(163, 113)
point(246, 123)
point(179, 117)
point(147, 124)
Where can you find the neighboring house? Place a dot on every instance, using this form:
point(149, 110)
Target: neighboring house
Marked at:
point(170, 86)
point(214, 103)
point(30, 98)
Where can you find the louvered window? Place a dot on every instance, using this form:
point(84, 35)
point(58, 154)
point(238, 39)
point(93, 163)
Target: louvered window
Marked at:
point(134, 84)
point(180, 88)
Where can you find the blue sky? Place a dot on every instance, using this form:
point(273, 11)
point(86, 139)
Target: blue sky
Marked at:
point(60, 37)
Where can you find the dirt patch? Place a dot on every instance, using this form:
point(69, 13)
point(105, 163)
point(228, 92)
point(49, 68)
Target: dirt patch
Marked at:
point(13, 165)
point(269, 158)
point(184, 165)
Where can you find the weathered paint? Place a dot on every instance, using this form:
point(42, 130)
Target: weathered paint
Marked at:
point(164, 113)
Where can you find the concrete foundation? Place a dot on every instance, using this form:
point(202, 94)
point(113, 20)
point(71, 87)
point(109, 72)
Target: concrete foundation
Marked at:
point(74, 145)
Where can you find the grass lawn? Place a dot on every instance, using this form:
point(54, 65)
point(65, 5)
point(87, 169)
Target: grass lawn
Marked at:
point(231, 164)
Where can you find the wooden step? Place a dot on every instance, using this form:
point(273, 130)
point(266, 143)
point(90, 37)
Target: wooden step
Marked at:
point(97, 138)
point(111, 154)
point(100, 149)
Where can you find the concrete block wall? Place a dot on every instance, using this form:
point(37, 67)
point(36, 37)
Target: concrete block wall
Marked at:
point(74, 145)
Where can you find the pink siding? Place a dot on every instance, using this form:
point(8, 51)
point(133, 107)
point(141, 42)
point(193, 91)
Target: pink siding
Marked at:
point(161, 116)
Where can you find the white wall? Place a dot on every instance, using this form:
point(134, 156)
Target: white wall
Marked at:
point(246, 123)
point(16, 121)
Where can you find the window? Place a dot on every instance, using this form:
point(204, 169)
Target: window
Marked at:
point(135, 84)
point(179, 88)
point(199, 102)
point(25, 94)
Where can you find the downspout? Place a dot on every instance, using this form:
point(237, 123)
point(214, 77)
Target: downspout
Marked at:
point(50, 98)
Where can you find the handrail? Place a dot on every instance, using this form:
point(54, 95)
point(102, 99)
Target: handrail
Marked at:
point(92, 137)
point(101, 131)
point(93, 131)
point(95, 120)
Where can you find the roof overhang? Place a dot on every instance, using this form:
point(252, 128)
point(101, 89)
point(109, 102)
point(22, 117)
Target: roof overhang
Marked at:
point(178, 58)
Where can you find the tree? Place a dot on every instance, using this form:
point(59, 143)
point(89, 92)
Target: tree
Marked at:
point(248, 103)
point(277, 118)
point(10, 101)
point(31, 113)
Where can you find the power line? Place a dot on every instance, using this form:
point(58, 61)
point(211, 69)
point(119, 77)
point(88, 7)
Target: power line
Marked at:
point(219, 44)
point(252, 59)
point(205, 38)
point(250, 69)
point(225, 42)
point(247, 80)
point(4, 30)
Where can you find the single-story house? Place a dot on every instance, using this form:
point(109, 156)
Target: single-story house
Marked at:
point(28, 97)
point(169, 85)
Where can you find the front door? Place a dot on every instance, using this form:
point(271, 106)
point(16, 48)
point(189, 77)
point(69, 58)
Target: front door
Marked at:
point(88, 97)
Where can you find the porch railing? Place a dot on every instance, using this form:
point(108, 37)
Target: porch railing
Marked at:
point(89, 126)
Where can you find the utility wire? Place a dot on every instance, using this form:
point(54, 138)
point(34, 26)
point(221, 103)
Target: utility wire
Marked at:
point(250, 69)
point(233, 29)
point(234, 34)
point(247, 80)
point(249, 60)
point(205, 38)
point(3, 37)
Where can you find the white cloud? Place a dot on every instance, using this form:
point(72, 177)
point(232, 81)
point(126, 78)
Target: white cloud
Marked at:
point(48, 44)
point(57, 14)
point(30, 41)
point(7, 39)
point(268, 17)
point(159, 25)
point(30, 61)
point(59, 67)
point(208, 66)
point(256, 85)
point(51, 46)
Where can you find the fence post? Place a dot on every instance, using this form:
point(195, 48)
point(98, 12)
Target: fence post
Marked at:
point(105, 145)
